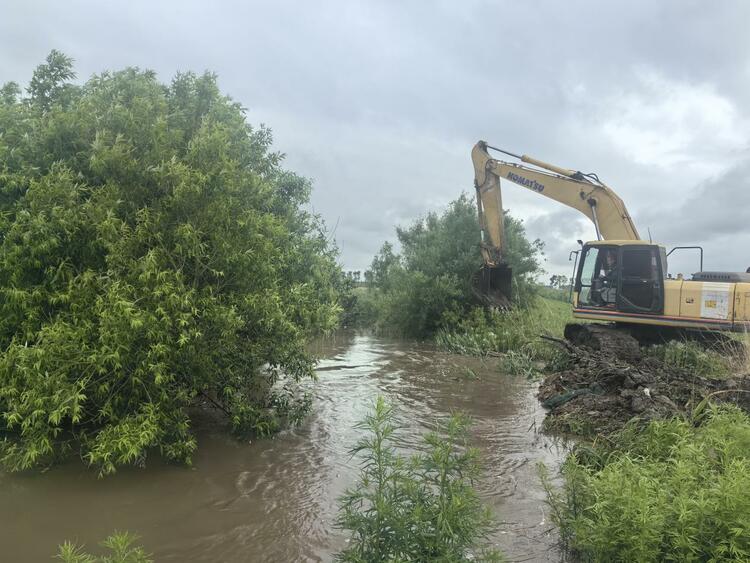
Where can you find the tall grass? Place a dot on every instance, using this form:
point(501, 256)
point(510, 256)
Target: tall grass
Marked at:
point(503, 331)
point(422, 508)
point(742, 363)
point(696, 358)
point(514, 333)
point(558, 294)
point(674, 491)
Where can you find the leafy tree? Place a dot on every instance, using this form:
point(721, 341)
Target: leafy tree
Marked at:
point(50, 81)
point(383, 265)
point(355, 276)
point(154, 255)
point(9, 93)
point(429, 285)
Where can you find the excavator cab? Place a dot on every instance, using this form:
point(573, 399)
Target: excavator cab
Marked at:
point(624, 276)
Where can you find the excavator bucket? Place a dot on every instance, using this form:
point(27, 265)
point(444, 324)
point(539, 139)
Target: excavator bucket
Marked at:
point(492, 285)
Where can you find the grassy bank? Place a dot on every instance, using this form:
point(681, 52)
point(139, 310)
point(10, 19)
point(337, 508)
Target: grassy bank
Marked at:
point(717, 360)
point(664, 474)
point(514, 334)
point(675, 490)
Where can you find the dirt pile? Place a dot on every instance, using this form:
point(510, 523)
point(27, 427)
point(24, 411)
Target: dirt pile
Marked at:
point(598, 393)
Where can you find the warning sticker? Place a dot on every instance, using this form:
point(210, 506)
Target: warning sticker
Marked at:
point(715, 301)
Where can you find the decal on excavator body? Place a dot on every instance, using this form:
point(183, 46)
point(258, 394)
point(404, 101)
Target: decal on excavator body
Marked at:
point(715, 301)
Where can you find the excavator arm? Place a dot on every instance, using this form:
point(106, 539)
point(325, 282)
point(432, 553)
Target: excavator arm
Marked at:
point(569, 187)
point(582, 192)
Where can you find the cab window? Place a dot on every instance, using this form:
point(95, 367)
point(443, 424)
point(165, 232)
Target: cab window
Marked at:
point(599, 277)
point(589, 265)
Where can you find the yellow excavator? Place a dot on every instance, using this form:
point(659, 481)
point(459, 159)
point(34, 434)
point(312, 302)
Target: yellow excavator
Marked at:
point(620, 279)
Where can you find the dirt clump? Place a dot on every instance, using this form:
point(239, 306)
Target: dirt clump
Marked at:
point(598, 393)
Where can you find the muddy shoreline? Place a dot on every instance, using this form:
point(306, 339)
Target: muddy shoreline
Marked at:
point(599, 393)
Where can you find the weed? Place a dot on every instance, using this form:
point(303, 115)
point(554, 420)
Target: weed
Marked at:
point(519, 363)
point(120, 544)
point(422, 508)
point(470, 374)
point(572, 424)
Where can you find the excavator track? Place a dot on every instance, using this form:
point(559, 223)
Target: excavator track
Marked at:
point(607, 339)
point(625, 341)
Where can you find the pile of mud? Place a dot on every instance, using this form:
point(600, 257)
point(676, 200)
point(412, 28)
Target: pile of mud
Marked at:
point(599, 393)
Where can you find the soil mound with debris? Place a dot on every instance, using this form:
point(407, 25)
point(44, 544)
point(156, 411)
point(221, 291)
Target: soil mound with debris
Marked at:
point(598, 392)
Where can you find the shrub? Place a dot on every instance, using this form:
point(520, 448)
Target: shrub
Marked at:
point(153, 254)
point(674, 491)
point(422, 508)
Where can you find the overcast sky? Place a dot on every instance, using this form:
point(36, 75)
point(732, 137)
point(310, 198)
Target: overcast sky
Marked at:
point(380, 102)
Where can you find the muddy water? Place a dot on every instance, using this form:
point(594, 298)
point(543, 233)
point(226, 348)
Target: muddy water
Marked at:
point(275, 500)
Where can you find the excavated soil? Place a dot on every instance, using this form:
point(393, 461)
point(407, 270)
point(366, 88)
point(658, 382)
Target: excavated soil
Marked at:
point(599, 393)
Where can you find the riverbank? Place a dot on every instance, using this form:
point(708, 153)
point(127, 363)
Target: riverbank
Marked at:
point(662, 470)
point(597, 394)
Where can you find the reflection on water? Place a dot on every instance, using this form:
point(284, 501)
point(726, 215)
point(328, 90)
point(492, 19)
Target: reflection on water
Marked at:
point(275, 499)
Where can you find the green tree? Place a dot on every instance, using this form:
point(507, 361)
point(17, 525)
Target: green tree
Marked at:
point(9, 93)
point(50, 81)
point(383, 265)
point(154, 256)
point(429, 284)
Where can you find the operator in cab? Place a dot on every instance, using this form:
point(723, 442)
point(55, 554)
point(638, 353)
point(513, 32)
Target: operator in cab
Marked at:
point(608, 275)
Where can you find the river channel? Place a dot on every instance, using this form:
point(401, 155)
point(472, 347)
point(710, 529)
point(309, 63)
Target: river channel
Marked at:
point(275, 500)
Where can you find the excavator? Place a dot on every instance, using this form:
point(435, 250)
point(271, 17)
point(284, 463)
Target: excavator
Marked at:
point(620, 280)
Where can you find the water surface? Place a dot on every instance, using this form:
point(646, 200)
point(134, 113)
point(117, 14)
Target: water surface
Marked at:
point(275, 499)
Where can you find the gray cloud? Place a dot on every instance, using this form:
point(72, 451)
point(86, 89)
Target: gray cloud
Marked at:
point(713, 215)
point(715, 208)
point(381, 102)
